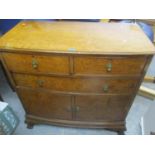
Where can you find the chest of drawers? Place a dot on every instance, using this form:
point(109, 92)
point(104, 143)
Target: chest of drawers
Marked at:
point(76, 74)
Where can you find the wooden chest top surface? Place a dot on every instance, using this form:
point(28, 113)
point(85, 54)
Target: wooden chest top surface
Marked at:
point(77, 37)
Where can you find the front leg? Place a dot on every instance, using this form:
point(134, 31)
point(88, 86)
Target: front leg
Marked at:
point(30, 125)
point(121, 132)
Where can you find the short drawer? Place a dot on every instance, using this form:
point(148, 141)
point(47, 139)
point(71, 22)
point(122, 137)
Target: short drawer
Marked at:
point(37, 63)
point(109, 65)
point(79, 85)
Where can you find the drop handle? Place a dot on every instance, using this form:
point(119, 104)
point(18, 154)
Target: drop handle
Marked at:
point(109, 67)
point(77, 108)
point(34, 64)
point(105, 88)
point(40, 83)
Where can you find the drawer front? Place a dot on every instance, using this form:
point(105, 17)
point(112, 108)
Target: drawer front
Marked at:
point(99, 108)
point(37, 64)
point(109, 66)
point(79, 85)
point(45, 104)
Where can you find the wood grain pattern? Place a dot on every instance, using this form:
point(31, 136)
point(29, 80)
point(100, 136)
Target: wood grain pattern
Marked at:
point(119, 65)
point(113, 125)
point(78, 37)
point(68, 82)
point(86, 107)
point(49, 105)
point(45, 64)
point(6, 72)
point(101, 108)
point(82, 85)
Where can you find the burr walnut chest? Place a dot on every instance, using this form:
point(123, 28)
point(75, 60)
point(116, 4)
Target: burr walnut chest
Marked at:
point(76, 74)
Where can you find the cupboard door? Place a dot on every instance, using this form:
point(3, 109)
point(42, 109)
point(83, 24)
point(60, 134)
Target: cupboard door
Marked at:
point(101, 108)
point(47, 105)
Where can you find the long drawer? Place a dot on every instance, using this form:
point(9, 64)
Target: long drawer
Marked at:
point(37, 63)
point(77, 84)
point(109, 65)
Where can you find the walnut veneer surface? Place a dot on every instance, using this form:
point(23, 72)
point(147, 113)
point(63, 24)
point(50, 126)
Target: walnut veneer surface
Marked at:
point(76, 74)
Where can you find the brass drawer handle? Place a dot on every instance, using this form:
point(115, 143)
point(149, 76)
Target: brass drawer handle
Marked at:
point(34, 64)
point(40, 83)
point(109, 67)
point(105, 88)
point(75, 109)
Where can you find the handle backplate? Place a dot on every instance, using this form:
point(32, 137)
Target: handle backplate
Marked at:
point(109, 67)
point(105, 88)
point(40, 83)
point(34, 64)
